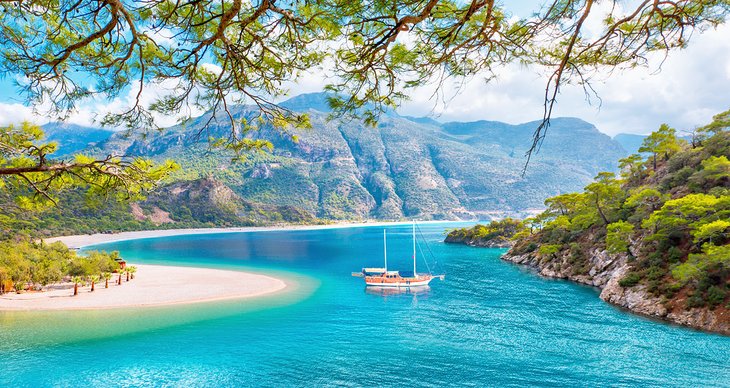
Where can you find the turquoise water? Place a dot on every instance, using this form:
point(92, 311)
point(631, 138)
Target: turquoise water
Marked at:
point(489, 323)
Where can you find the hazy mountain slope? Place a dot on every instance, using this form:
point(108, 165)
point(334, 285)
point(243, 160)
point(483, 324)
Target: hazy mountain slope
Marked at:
point(72, 138)
point(630, 142)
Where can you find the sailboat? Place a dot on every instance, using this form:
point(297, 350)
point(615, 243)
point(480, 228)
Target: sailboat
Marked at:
point(381, 277)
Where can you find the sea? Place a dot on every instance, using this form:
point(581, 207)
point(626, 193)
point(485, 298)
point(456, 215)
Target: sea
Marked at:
point(487, 323)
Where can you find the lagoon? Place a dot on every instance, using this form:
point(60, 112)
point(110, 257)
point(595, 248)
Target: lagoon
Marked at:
point(488, 323)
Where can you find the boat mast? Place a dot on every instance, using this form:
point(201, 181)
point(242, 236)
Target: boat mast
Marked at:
point(385, 251)
point(415, 274)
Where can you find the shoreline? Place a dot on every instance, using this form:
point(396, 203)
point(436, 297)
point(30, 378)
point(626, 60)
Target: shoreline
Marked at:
point(163, 285)
point(86, 240)
point(153, 286)
point(636, 300)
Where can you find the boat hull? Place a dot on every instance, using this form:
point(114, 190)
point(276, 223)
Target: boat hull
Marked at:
point(399, 283)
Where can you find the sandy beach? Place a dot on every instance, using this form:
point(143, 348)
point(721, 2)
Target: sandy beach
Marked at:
point(79, 241)
point(156, 285)
point(153, 285)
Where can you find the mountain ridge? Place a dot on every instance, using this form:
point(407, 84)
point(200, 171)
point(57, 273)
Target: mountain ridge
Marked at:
point(403, 167)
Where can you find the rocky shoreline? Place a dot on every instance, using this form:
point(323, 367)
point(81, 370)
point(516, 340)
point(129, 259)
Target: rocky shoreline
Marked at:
point(478, 242)
point(605, 272)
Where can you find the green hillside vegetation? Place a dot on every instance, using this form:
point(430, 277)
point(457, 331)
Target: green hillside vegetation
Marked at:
point(28, 265)
point(197, 203)
point(495, 234)
point(668, 214)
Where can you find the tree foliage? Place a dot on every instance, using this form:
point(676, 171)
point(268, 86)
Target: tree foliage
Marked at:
point(720, 122)
point(604, 193)
point(617, 236)
point(496, 233)
point(28, 169)
point(671, 220)
point(661, 142)
point(212, 54)
point(27, 264)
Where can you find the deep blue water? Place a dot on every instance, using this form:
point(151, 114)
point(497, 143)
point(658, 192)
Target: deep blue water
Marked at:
point(489, 323)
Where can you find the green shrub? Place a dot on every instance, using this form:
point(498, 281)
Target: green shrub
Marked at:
point(695, 301)
point(655, 273)
point(715, 296)
point(674, 255)
point(630, 279)
point(671, 289)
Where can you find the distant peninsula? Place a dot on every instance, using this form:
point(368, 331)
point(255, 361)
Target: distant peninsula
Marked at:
point(497, 234)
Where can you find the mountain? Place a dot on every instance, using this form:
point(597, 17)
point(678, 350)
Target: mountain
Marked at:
point(207, 200)
point(403, 167)
point(73, 138)
point(629, 142)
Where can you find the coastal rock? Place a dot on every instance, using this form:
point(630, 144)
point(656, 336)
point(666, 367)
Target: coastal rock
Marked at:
point(703, 318)
point(636, 299)
point(605, 271)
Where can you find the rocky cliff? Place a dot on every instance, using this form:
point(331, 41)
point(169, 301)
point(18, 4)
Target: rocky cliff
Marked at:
point(605, 271)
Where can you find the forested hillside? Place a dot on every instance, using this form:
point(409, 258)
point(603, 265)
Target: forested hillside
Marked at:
point(656, 239)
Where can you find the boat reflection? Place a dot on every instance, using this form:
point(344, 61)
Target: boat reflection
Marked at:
point(391, 291)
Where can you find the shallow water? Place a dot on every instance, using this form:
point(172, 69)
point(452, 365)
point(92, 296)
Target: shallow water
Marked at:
point(488, 323)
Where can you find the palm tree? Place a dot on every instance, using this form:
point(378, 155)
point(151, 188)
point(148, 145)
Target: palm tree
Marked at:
point(119, 281)
point(76, 280)
point(126, 271)
point(132, 270)
point(106, 276)
point(93, 279)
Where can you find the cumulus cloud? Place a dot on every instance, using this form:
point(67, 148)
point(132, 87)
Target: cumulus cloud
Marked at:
point(15, 113)
point(91, 112)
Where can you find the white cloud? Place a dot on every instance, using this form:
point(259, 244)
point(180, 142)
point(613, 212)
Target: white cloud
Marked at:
point(16, 113)
point(692, 85)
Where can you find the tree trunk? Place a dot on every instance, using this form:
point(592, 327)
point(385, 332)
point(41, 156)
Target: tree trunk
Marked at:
point(600, 212)
point(92, 286)
point(106, 285)
point(127, 276)
point(119, 281)
point(76, 289)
